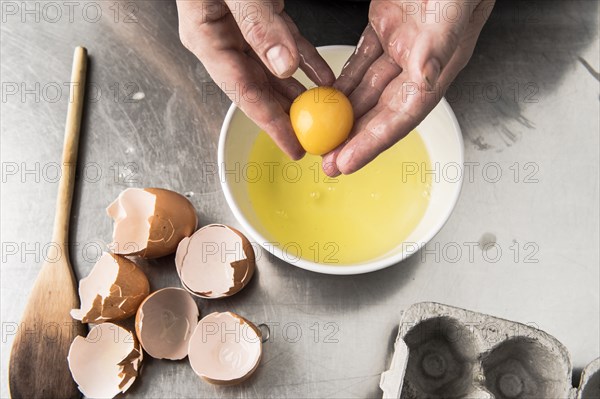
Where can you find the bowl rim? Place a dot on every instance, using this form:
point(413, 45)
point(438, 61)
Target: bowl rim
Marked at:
point(339, 269)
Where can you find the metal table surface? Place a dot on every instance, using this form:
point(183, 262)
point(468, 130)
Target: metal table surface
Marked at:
point(528, 107)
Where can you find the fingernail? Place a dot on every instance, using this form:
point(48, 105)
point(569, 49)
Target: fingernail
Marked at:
point(298, 155)
point(280, 59)
point(331, 169)
point(344, 159)
point(431, 73)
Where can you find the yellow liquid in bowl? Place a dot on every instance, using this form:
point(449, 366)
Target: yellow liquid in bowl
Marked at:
point(344, 220)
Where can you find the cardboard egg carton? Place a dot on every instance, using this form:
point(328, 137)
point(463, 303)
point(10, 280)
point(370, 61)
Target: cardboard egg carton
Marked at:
point(589, 386)
point(447, 352)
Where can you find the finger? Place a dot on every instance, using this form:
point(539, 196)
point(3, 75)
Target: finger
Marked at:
point(274, 93)
point(250, 89)
point(267, 33)
point(397, 113)
point(402, 108)
point(329, 165)
point(466, 46)
point(367, 51)
point(396, 28)
point(266, 106)
point(376, 79)
point(218, 44)
point(381, 130)
point(363, 99)
point(438, 40)
point(283, 101)
point(290, 87)
point(403, 105)
point(207, 26)
point(311, 62)
point(202, 11)
point(329, 161)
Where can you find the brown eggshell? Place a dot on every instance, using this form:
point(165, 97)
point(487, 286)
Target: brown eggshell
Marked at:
point(150, 222)
point(112, 291)
point(106, 362)
point(225, 348)
point(165, 321)
point(216, 261)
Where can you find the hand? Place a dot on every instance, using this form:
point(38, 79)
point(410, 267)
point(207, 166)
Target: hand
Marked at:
point(405, 60)
point(251, 49)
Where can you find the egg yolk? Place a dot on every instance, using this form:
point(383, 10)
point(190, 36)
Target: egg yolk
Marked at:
point(322, 118)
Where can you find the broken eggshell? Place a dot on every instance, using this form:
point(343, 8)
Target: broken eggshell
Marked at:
point(106, 362)
point(112, 291)
point(150, 222)
point(165, 321)
point(216, 261)
point(225, 348)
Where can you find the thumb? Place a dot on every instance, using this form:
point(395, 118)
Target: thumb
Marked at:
point(267, 33)
point(438, 38)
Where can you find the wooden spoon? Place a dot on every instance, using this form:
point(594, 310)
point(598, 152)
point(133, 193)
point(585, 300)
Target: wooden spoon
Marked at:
point(38, 361)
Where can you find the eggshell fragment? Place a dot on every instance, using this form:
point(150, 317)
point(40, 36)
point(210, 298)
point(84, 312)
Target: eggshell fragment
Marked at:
point(150, 222)
point(165, 321)
point(112, 291)
point(216, 261)
point(106, 362)
point(225, 348)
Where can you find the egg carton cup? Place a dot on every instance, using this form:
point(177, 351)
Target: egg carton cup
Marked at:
point(589, 386)
point(447, 352)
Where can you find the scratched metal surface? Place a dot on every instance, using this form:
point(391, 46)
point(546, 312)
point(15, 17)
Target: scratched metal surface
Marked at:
point(529, 96)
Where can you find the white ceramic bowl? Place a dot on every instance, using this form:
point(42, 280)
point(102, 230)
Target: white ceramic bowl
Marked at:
point(440, 132)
